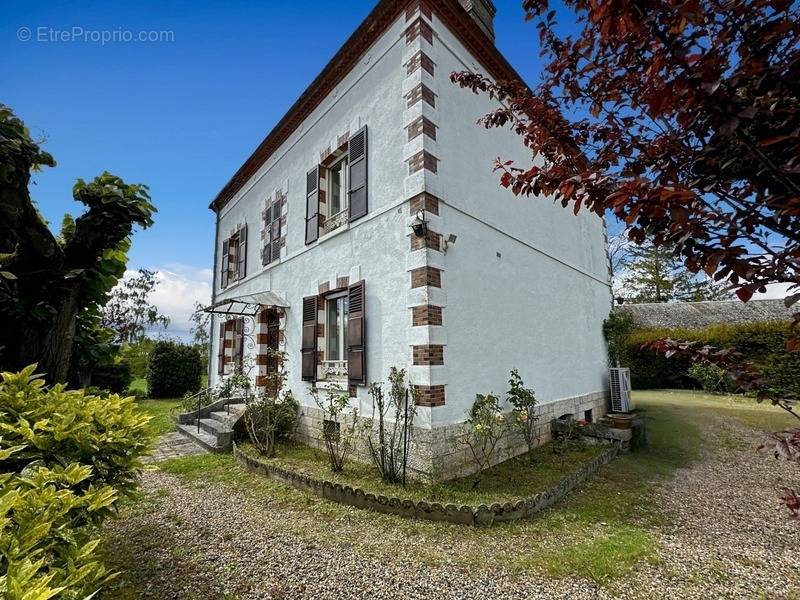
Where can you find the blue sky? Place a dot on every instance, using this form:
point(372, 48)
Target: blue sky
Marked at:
point(180, 115)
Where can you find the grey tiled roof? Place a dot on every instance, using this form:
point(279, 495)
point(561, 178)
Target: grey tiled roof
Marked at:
point(701, 314)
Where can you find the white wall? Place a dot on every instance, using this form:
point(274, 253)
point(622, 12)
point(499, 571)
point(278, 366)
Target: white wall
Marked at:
point(373, 248)
point(540, 306)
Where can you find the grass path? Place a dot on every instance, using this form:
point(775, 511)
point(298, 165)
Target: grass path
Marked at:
point(610, 537)
point(161, 411)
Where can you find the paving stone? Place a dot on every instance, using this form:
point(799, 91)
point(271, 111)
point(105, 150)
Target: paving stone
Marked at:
point(173, 445)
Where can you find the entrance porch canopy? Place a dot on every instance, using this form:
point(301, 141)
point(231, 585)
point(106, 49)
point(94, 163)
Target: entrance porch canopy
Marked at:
point(247, 305)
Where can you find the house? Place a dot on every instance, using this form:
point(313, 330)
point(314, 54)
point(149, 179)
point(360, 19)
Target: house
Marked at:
point(368, 230)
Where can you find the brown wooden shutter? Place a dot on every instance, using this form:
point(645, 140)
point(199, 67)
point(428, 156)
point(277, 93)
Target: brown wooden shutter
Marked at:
point(238, 343)
point(357, 167)
point(224, 260)
point(273, 340)
point(221, 350)
point(356, 334)
point(241, 252)
point(275, 237)
point(309, 343)
point(312, 205)
point(265, 252)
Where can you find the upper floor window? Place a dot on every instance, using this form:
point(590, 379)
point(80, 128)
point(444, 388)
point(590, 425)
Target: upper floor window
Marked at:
point(337, 187)
point(233, 263)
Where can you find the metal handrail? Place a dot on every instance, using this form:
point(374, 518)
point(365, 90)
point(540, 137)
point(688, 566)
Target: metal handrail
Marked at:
point(199, 395)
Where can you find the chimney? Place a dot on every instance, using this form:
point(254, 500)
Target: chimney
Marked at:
point(482, 11)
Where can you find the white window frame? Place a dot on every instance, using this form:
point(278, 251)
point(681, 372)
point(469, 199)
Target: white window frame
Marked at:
point(344, 192)
point(335, 374)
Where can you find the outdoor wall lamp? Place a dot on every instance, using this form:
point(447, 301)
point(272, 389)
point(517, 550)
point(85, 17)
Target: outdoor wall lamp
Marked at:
point(419, 225)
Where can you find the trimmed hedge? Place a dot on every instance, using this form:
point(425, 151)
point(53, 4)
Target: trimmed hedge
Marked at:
point(762, 343)
point(173, 370)
point(115, 377)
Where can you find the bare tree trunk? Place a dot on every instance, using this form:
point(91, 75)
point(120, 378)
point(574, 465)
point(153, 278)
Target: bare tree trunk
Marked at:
point(58, 343)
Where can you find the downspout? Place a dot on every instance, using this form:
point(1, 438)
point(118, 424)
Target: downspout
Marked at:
point(213, 299)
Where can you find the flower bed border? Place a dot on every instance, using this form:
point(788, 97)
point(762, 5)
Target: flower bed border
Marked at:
point(431, 511)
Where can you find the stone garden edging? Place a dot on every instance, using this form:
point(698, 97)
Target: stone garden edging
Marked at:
point(431, 511)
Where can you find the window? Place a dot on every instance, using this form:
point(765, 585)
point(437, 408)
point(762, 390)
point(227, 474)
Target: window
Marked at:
point(238, 344)
point(273, 239)
point(232, 358)
point(336, 319)
point(337, 187)
point(233, 252)
point(334, 366)
point(234, 257)
point(331, 429)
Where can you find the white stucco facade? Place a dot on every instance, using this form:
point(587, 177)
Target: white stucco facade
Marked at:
point(525, 285)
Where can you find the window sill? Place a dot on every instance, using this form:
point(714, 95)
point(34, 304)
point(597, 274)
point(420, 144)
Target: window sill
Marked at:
point(331, 234)
point(269, 265)
point(332, 384)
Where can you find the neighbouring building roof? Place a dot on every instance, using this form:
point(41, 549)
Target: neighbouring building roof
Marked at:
point(450, 12)
point(694, 315)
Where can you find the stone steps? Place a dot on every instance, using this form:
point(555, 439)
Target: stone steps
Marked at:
point(216, 428)
point(203, 438)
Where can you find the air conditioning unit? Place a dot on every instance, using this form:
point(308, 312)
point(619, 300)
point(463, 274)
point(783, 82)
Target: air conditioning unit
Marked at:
point(620, 380)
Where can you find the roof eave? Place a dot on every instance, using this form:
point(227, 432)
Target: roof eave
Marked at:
point(376, 23)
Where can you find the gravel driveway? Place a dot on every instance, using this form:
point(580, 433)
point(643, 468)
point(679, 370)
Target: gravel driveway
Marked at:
point(725, 537)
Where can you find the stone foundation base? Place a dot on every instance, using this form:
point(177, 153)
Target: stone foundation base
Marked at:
point(437, 454)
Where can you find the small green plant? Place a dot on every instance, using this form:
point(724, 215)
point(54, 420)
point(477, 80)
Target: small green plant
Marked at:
point(712, 378)
point(338, 425)
point(271, 416)
point(485, 427)
point(523, 413)
point(388, 442)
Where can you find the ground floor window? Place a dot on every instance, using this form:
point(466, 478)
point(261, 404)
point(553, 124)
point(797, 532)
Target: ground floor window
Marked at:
point(334, 365)
point(230, 353)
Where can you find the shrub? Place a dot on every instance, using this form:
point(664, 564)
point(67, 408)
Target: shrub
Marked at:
point(114, 377)
point(173, 370)
point(272, 416)
point(137, 355)
point(523, 413)
point(485, 427)
point(762, 343)
point(388, 445)
point(712, 378)
point(136, 393)
point(66, 457)
point(615, 328)
point(338, 425)
point(42, 553)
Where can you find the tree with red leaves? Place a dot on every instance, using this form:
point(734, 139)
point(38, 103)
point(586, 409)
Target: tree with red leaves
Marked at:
point(679, 117)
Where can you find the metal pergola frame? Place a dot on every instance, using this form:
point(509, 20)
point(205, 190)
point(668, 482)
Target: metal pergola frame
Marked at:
point(248, 305)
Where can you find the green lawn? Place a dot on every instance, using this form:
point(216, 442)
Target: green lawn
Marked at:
point(603, 530)
point(139, 384)
point(160, 410)
point(508, 482)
